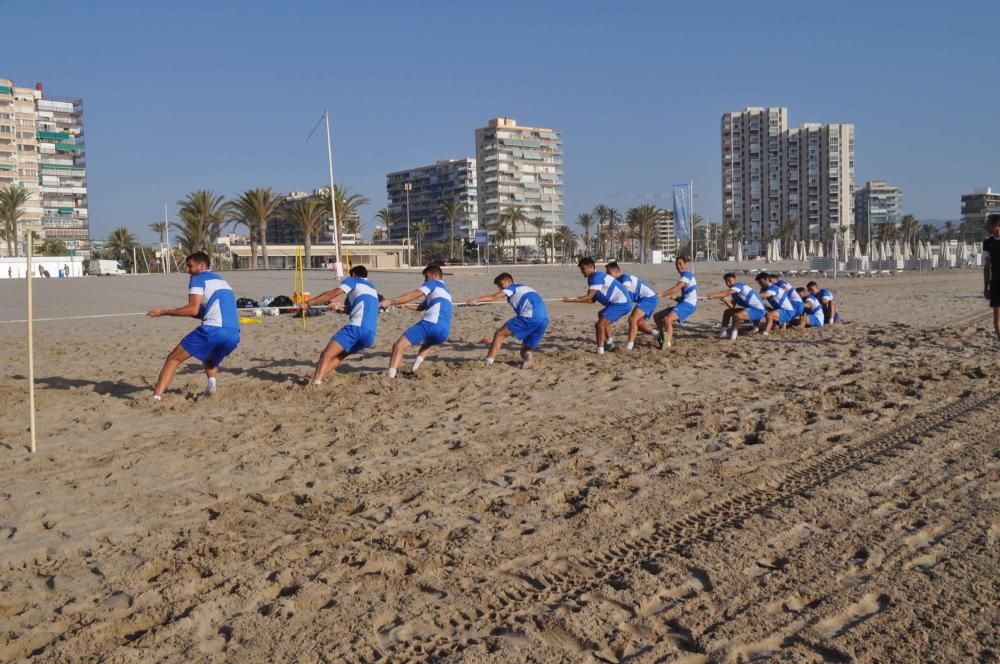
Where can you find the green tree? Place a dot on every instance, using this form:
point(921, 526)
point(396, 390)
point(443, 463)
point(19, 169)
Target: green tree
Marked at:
point(13, 198)
point(613, 222)
point(514, 216)
point(908, 227)
point(949, 229)
point(119, 245)
point(202, 216)
point(601, 214)
point(52, 247)
point(644, 219)
point(450, 210)
point(419, 231)
point(565, 235)
point(385, 216)
point(729, 236)
point(306, 214)
point(348, 208)
point(539, 225)
point(255, 208)
point(586, 222)
point(788, 230)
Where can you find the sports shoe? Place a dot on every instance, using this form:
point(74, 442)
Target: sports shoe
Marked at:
point(660, 340)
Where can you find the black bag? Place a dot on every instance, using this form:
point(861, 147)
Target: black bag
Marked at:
point(245, 303)
point(281, 301)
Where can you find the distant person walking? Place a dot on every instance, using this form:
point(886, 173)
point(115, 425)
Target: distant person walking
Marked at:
point(212, 300)
point(991, 274)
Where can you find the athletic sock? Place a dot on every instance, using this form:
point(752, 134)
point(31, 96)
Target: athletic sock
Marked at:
point(735, 333)
point(766, 334)
point(630, 345)
point(723, 331)
point(600, 350)
point(210, 388)
point(416, 363)
point(157, 397)
point(669, 344)
point(392, 373)
point(489, 360)
point(317, 382)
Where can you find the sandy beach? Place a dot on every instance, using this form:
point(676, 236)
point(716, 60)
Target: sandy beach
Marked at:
point(820, 495)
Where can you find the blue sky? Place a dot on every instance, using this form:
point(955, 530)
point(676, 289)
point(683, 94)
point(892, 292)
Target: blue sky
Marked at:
point(221, 95)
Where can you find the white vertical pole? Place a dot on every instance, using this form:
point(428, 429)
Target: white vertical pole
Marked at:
point(333, 196)
point(166, 262)
point(31, 353)
point(691, 209)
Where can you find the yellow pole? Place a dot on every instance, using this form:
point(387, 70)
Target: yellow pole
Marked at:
point(300, 268)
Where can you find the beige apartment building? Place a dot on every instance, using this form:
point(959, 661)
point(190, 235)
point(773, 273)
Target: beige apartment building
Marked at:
point(42, 149)
point(519, 167)
point(772, 174)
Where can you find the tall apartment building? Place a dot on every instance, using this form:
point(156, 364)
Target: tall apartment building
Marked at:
point(875, 204)
point(430, 186)
point(519, 167)
point(772, 175)
point(665, 240)
point(977, 205)
point(42, 149)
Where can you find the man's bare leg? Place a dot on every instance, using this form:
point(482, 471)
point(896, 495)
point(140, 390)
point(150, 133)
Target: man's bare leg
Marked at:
point(396, 358)
point(737, 318)
point(498, 339)
point(599, 332)
point(331, 358)
point(425, 350)
point(669, 321)
point(772, 318)
point(996, 321)
point(176, 357)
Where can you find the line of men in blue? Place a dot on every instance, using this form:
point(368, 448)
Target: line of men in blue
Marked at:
point(211, 299)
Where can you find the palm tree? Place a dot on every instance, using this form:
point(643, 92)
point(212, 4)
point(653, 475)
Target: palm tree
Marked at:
point(419, 231)
point(539, 224)
point(565, 235)
point(254, 208)
point(202, 216)
point(119, 245)
point(633, 231)
point(612, 220)
point(729, 234)
point(601, 213)
point(160, 228)
point(908, 226)
point(450, 210)
point(644, 219)
point(949, 229)
point(13, 198)
point(500, 237)
point(385, 216)
point(306, 214)
point(514, 216)
point(787, 233)
point(586, 222)
point(347, 206)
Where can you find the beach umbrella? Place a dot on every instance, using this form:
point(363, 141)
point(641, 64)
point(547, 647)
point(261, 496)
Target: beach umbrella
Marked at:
point(819, 249)
point(834, 253)
point(803, 250)
point(857, 249)
point(795, 251)
point(960, 254)
point(739, 252)
point(884, 252)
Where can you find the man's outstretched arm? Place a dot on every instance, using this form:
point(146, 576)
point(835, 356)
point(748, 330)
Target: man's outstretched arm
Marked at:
point(187, 311)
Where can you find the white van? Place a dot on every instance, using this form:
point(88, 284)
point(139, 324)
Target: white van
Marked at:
point(105, 268)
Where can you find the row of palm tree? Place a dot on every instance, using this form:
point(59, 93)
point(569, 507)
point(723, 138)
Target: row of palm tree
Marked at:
point(203, 216)
point(634, 233)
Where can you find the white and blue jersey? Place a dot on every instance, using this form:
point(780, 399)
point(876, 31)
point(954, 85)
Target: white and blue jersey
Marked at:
point(645, 298)
point(609, 290)
point(527, 303)
point(746, 297)
point(362, 308)
point(219, 332)
point(531, 318)
point(435, 326)
point(689, 293)
point(778, 301)
point(814, 310)
point(218, 303)
point(793, 296)
point(826, 298)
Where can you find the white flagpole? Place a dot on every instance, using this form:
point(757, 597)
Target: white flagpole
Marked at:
point(333, 195)
point(31, 354)
point(166, 263)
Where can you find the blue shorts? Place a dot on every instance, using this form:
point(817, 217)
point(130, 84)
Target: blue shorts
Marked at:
point(755, 315)
point(354, 338)
point(785, 316)
point(683, 310)
point(800, 308)
point(423, 332)
point(528, 331)
point(814, 321)
point(613, 312)
point(211, 345)
point(647, 305)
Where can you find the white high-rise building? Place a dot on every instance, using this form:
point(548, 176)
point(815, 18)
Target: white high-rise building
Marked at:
point(521, 168)
point(773, 176)
point(42, 149)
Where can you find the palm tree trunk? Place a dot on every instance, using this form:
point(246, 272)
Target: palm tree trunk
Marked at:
point(307, 243)
point(263, 249)
point(13, 232)
point(253, 253)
